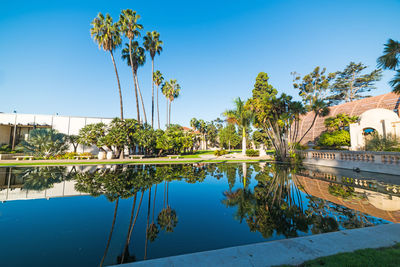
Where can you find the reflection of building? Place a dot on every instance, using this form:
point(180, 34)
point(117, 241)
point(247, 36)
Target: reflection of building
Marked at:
point(375, 204)
point(379, 113)
point(16, 127)
point(63, 189)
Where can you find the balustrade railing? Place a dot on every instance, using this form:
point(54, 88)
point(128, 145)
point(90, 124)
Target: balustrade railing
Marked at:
point(392, 158)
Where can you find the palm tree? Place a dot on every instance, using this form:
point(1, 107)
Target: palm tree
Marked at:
point(152, 43)
point(108, 36)
point(138, 60)
point(130, 28)
point(171, 89)
point(158, 80)
point(391, 60)
point(242, 117)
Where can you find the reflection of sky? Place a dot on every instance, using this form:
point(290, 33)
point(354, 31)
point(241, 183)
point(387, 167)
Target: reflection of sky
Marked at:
point(73, 231)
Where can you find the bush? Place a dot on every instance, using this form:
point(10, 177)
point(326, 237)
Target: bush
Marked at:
point(44, 142)
point(220, 152)
point(252, 153)
point(334, 139)
point(380, 143)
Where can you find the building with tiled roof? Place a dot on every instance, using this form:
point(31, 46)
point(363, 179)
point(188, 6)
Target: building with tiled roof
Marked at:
point(389, 101)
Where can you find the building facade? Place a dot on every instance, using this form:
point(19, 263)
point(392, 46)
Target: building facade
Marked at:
point(15, 127)
point(376, 114)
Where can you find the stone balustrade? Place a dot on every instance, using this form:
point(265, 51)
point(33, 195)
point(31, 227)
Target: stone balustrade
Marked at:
point(364, 160)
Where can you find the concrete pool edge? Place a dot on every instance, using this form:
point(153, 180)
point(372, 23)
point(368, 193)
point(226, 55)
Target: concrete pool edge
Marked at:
point(287, 251)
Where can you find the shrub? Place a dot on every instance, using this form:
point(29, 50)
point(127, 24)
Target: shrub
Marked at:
point(220, 152)
point(379, 143)
point(252, 153)
point(44, 142)
point(334, 139)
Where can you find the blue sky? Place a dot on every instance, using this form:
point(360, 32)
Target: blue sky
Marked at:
point(49, 63)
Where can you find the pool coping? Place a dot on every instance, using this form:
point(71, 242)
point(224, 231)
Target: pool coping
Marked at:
point(287, 251)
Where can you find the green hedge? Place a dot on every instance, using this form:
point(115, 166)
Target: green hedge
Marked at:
point(252, 153)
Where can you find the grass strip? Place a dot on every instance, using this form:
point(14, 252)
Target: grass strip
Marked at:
point(125, 162)
point(388, 256)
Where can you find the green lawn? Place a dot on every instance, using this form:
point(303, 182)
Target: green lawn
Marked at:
point(59, 162)
point(206, 152)
point(365, 257)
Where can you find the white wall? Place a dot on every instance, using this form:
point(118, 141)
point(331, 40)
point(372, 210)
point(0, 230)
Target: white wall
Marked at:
point(382, 120)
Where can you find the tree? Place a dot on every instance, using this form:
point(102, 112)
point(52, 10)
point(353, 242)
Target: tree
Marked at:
point(242, 117)
point(228, 137)
point(340, 122)
point(73, 140)
point(91, 134)
point(313, 91)
point(128, 21)
point(153, 44)
point(201, 127)
point(350, 84)
point(158, 80)
point(171, 90)
point(138, 60)
point(45, 142)
point(391, 60)
point(108, 36)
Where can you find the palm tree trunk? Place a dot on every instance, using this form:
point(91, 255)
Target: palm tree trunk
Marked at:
point(131, 229)
point(154, 201)
point(244, 142)
point(141, 98)
point(158, 110)
point(134, 81)
point(147, 224)
point(169, 122)
point(152, 92)
point(166, 123)
point(111, 232)
point(119, 86)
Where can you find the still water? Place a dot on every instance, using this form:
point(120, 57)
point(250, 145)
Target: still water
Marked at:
point(103, 215)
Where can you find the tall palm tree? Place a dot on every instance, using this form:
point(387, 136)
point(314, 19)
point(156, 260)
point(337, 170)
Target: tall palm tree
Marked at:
point(152, 43)
point(128, 20)
point(171, 89)
point(158, 80)
point(391, 60)
point(242, 117)
point(138, 60)
point(108, 36)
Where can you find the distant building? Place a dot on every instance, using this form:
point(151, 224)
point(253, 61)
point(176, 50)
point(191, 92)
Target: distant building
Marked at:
point(15, 127)
point(377, 114)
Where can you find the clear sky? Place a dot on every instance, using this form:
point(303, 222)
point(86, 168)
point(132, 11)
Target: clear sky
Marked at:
point(49, 63)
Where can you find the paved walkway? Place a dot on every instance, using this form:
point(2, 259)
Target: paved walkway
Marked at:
point(288, 251)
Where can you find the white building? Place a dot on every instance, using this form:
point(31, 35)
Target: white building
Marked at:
point(15, 127)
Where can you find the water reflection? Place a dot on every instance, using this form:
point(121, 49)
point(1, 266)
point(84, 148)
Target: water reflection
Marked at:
point(276, 201)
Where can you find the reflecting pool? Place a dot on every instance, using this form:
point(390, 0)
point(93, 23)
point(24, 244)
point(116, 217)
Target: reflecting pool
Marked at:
point(108, 214)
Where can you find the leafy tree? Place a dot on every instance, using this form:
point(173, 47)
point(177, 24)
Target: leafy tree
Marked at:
point(45, 142)
point(391, 60)
point(340, 122)
point(350, 84)
point(313, 91)
point(73, 140)
point(228, 137)
point(278, 117)
point(91, 134)
point(138, 59)
point(158, 80)
point(116, 136)
point(334, 139)
point(242, 117)
point(153, 44)
point(128, 21)
point(107, 35)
